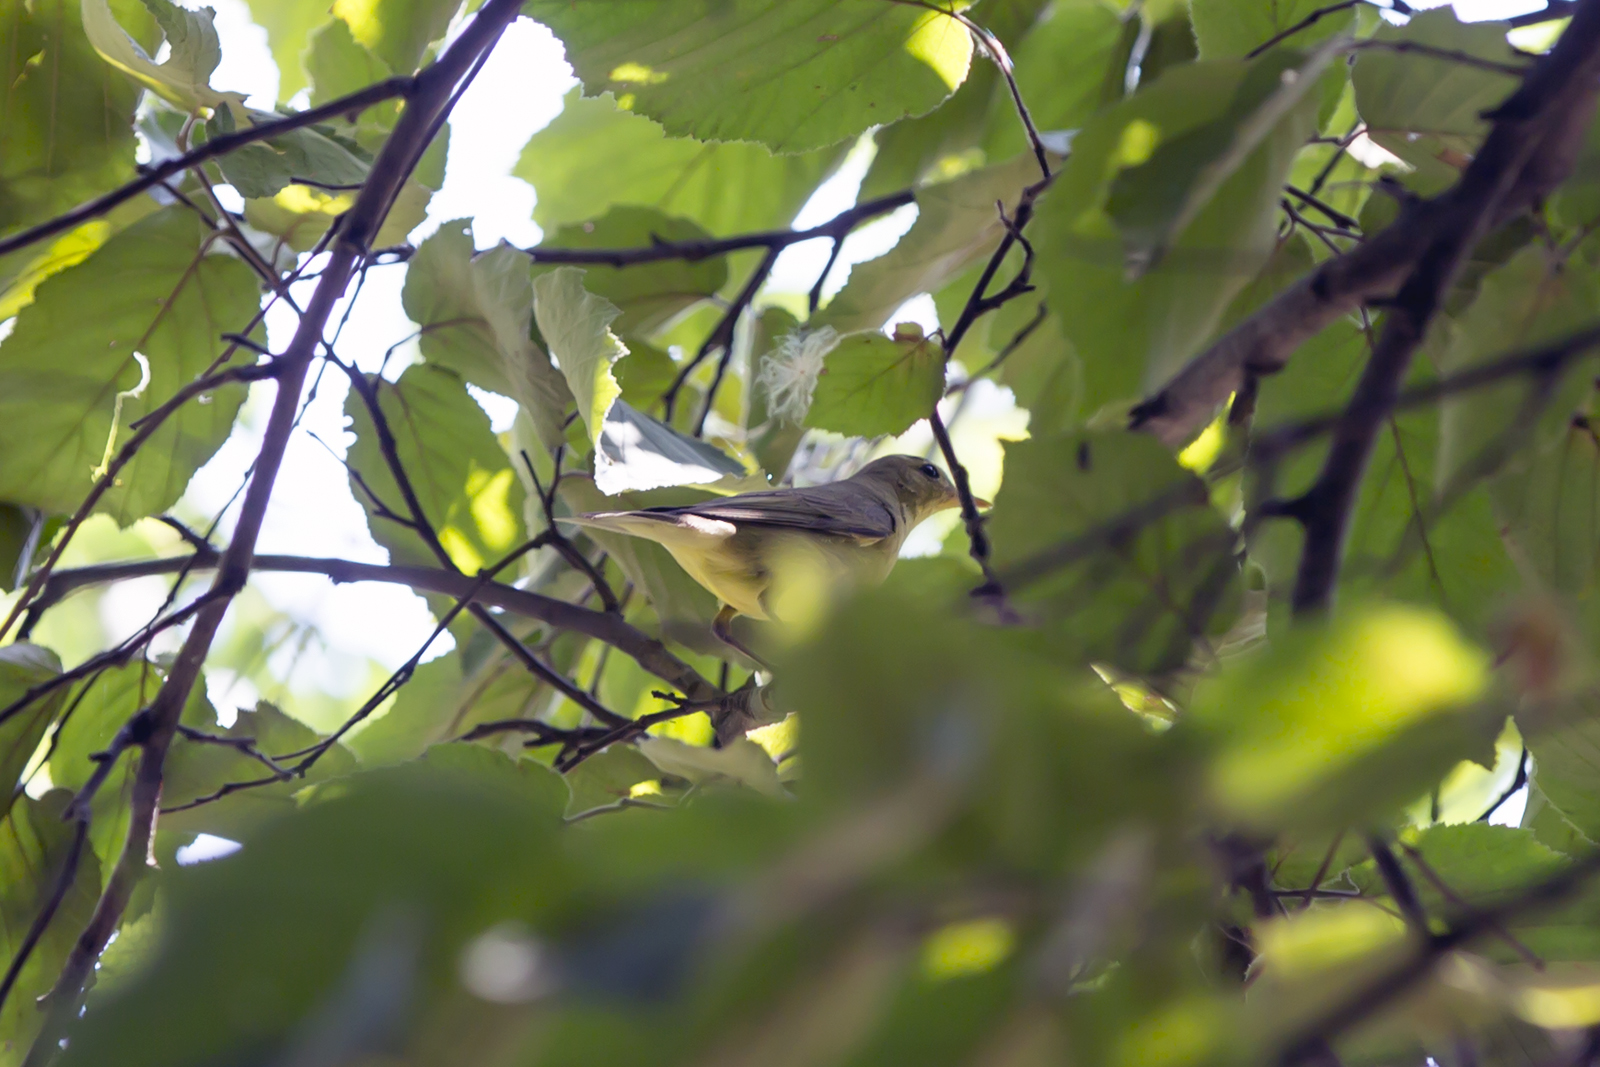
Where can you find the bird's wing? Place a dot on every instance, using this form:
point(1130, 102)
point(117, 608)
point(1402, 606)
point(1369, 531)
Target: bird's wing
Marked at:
point(842, 509)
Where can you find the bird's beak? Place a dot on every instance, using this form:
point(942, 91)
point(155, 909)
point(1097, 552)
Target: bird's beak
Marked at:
point(982, 503)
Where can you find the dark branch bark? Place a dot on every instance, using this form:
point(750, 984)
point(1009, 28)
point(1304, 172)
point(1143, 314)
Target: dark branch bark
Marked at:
point(430, 93)
point(1560, 90)
point(219, 146)
point(604, 626)
point(694, 251)
point(1536, 137)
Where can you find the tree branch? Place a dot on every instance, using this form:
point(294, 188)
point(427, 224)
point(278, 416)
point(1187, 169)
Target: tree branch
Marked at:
point(1536, 137)
point(429, 93)
point(1561, 87)
point(694, 251)
point(158, 173)
point(608, 627)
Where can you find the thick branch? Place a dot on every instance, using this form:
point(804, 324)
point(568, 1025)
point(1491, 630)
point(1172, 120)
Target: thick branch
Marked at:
point(158, 173)
point(605, 626)
point(1534, 141)
point(1561, 89)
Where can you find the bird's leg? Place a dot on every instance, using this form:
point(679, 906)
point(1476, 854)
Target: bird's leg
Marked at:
point(722, 626)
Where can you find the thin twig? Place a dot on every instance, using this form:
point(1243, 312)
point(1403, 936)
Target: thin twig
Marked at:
point(158, 173)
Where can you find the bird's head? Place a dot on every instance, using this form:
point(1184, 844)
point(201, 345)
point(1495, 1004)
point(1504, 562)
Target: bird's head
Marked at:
point(920, 487)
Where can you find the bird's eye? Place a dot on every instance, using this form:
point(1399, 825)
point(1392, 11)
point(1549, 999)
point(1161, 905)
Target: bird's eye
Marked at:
point(930, 470)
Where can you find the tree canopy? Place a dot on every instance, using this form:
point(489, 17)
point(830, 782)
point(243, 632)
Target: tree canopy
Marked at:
point(1257, 722)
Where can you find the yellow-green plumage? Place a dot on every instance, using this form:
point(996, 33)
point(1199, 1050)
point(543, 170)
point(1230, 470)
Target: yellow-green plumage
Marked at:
point(849, 531)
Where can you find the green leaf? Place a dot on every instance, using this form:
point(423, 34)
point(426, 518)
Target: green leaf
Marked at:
point(397, 31)
point(872, 384)
point(23, 666)
point(1429, 110)
point(1564, 740)
point(476, 315)
point(958, 224)
point(1544, 499)
point(576, 325)
point(1155, 201)
point(1061, 69)
point(184, 77)
point(103, 705)
point(289, 25)
point(650, 296)
point(154, 292)
point(606, 780)
point(1131, 334)
point(463, 479)
point(1481, 864)
point(594, 155)
point(196, 769)
point(1106, 538)
point(1535, 298)
point(339, 65)
point(308, 154)
point(1401, 544)
point(1338, 721)
point(35, 844)
point(743, 761)
point(66, 131)
point(1229, 29)
point(790, 74)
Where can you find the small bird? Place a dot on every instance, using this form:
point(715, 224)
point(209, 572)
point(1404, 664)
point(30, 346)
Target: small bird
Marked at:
point(750, 549)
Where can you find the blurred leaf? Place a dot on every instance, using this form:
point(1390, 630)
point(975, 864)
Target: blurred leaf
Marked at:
point(872, 384)
point(35, 844)
point(958, 224)
point(1340, 721)
point(397, 31)
point(650, 296)
point(454, 843)
point(156, 293)
point(792, 75)
point(1228, 29)
point(66, 129)
point(476, 315)
point(23, 666)
point(1108, 540)
point(1429, 110)
point(901, 691)
point(1133, 333)
point(594, 155)
point(462, 478)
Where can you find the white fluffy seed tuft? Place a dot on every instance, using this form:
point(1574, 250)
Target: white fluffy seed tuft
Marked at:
point(789, 373)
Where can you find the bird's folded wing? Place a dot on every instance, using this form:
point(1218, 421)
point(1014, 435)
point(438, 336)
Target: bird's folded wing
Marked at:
point(840, 510)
